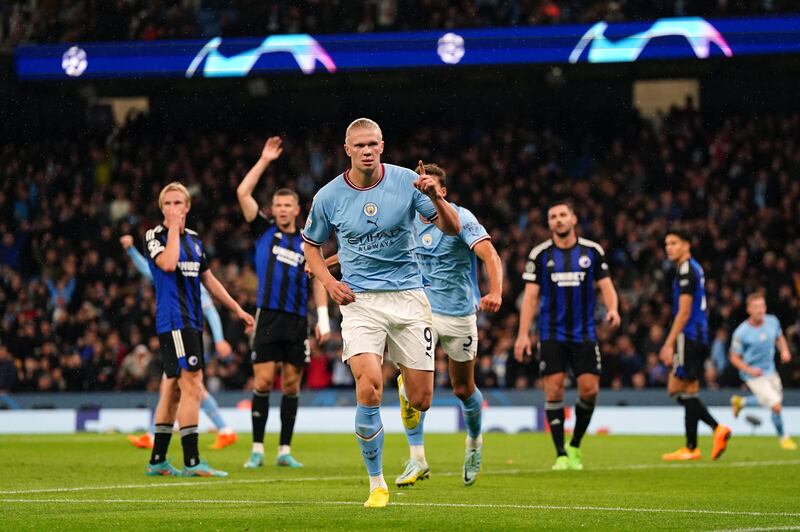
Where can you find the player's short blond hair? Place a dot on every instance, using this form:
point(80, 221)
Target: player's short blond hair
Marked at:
point(755, 296)
point(362, 123)
point(177, 186)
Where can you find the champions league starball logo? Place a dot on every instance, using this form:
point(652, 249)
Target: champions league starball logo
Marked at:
point(74, 62)
point(450, 48)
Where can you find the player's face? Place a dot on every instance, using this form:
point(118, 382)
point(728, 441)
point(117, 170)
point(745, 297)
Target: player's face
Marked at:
point(675, 248)
point(285, 209)
point(561, 220)
point(364, 147)
point(757, 309)
point(175, 201)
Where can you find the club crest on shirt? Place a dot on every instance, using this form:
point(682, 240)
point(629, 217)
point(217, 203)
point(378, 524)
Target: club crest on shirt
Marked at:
point(427, 240)
point(551, 263)
point(584, 261)
point(370, 209)
point(762, 337)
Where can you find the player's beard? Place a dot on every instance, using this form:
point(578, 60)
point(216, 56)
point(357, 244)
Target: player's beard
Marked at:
point(563, 234)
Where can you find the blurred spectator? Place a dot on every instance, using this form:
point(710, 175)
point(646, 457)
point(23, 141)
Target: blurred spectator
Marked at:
point(134, 371)
point(40, 21)
point(71, 304)
point(8, 371)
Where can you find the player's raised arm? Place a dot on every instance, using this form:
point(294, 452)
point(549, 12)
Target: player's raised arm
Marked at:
point(446, 217)
point(244, 192)
point(216, 289)
point(494, 271)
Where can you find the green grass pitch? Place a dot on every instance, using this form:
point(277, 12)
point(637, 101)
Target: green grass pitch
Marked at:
point(92, 481)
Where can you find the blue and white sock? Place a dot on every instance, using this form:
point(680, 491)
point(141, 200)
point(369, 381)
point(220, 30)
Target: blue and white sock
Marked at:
point(777, 420)
point(416, 439)
point(750, 400)
point(472, 410)
point(211, 408)
point(369, 431)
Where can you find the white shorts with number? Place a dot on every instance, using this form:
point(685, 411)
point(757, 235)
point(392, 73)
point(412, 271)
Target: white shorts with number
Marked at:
point(402, 320)
point(458, 336)
point(767, 389)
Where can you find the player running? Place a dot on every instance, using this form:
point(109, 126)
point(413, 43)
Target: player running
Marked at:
point(281, 334)
point(561, 274)
point(225, 434)
point(178, 265)
point(372, 207)
point(686, 348)
point(753, 354)
point(450, 270)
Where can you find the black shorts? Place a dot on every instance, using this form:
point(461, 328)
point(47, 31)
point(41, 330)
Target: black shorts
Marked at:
point(689, 361)
point(557, 357)
point(280, 337)
point(181, 350)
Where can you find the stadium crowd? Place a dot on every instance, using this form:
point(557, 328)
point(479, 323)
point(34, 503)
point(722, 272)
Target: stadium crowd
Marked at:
point(44, 21)
point(76, 315)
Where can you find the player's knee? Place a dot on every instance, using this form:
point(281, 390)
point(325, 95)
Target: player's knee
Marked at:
point(291, 388)
point(463, 391)
point(191, 387)
point(776, 408)
point(368, 391)
point(421, 400)
point(264, 385)
point(589, 393)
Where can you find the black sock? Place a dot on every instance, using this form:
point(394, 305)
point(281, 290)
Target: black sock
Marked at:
point(260, 411)
point(189, 437)
point(690, 420)
point(584, 409)
point(701, 411)
point(288, 415)
point(162, 435)
point(555, 417)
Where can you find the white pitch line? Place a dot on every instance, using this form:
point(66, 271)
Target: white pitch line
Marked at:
point(761, 529)
point(507, 472)
point(415, 504)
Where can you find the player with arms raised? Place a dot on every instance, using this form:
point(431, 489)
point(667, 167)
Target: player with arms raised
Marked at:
point(281, 334)
point(371, 207)
point(561, 274)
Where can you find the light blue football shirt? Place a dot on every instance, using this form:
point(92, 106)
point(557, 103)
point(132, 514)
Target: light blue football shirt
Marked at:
point(374, 228)
point(756, 345)
point(449, 266)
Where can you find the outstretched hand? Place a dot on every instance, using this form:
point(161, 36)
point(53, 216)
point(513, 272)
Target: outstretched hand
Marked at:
point(426, 184)
point(272, 149)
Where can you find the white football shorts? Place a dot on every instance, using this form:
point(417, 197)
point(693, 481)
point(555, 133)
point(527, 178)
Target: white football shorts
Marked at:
point(400, 319)
point(458, 336)
point(767, 389)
